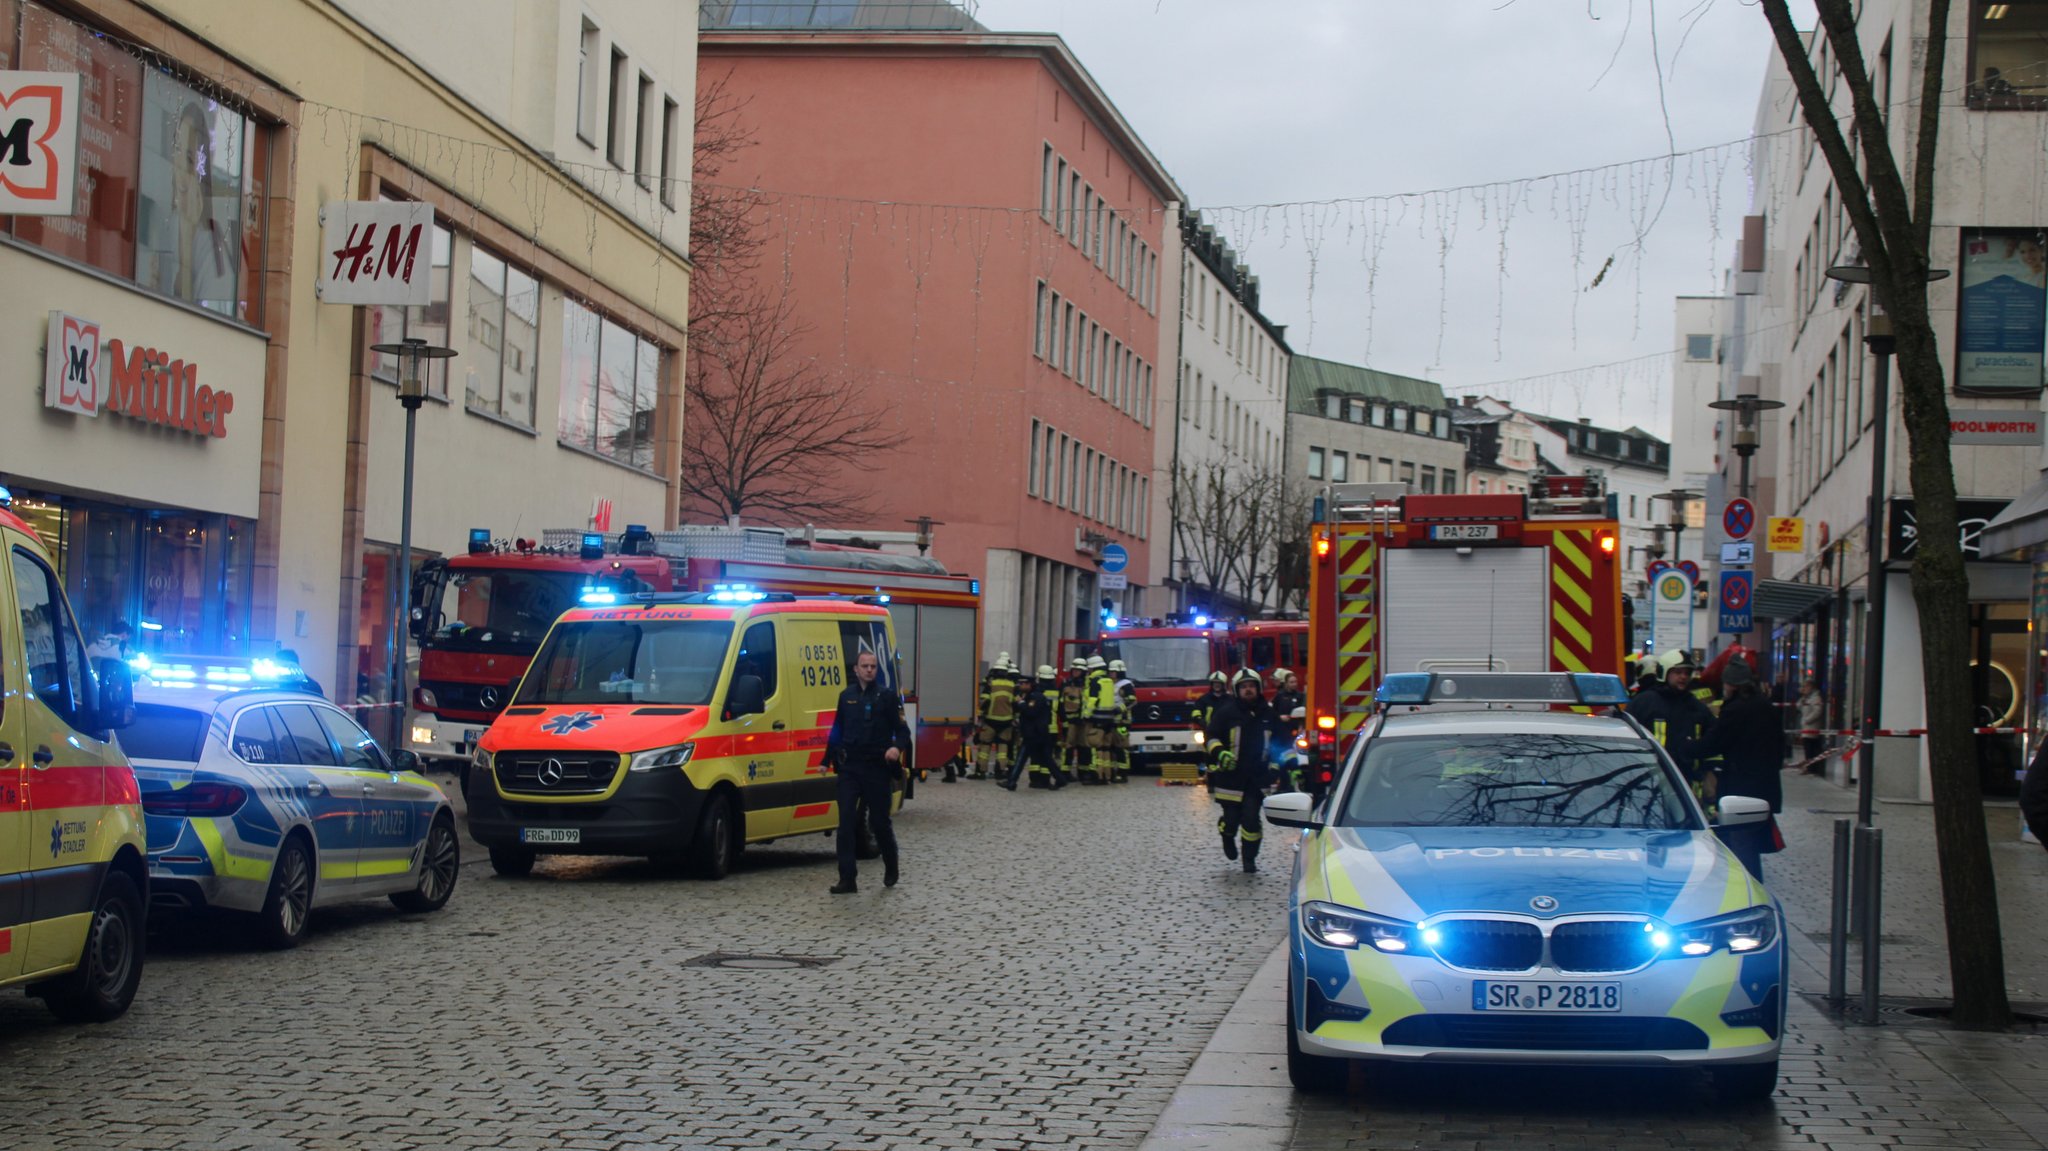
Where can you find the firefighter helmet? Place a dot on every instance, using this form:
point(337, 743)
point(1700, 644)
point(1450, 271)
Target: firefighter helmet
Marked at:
point(1117, 666)
point(1219, 679)
point(1046, 673)
point(1247, 675)
point(1077, 664)
point(1095, 663)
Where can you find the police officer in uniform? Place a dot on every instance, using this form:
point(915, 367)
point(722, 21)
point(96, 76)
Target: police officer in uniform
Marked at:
point(1287, 701)
point(1099, 709)
point(998, 716)
point(1038, 730)
point(866, 748)
point(1239, 739)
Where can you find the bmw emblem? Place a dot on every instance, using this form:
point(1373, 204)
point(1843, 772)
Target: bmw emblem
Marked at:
point(1540, 903)
point(550, 774)
point(489, 698)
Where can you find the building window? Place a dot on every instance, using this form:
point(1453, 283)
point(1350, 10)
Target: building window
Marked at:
point(1400, 419)
point(1450, 481)
point(2000, 325)
point(1045, 185)
point(1340, 468)
point(499, 365)
point(390, 323)
point(1059, 195)
point(1038, 323)
point(2006, 65)
point(1408, 475)
point(615, 107)
point(611, 382)
point(1145, 393)
point(643, 143)
point(1073, 484)
point(1315, 463)
point(586, 80)
point(1066, 353)
point(1073, 227)
point(1051, 462)
point(1031, 450)
point(1699, 348)
point(1422, 425)
point(1428, 481)
point(670, 117)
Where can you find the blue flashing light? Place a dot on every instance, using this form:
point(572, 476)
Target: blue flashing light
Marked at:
point(6, 497)
point(1201, 621)
point(263, 668)
point(1432, 936)
point(1405, 687)
point(597, 597)
point(974, 587)
point(139, 661)
point(1109, 623)
point(884, 597)
point(593, 546)
point(735, 593)
point(1600, 689)
point(1661, 939)
point(151, 625)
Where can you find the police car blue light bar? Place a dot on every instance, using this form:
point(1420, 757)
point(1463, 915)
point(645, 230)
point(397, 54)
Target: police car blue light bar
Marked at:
point(1567, 688)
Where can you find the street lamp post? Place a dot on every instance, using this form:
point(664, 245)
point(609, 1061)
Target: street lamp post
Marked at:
point(1745, 441)
point(412, 392)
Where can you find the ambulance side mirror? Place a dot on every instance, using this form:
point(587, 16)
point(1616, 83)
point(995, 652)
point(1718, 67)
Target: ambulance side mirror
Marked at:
point(745, 697)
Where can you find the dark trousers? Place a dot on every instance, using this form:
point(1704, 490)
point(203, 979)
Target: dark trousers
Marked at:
point(865, 789)
point(1241, 818)
point(1044, 754)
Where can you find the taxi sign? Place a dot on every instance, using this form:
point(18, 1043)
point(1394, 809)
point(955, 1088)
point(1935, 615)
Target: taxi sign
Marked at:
point(1785, 534)
point(1736, 612)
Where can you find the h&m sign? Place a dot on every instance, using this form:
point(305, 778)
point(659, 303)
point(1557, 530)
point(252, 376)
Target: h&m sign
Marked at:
point(376, 252)
point(82, 376)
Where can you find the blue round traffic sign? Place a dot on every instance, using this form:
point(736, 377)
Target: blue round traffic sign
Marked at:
point(1738, 519)
point(1115, 558)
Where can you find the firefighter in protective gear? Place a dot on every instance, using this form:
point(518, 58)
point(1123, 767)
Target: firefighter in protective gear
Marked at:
point(1217, 695)
point(1099, 709)
point(998, 719)
point(1239, 739)
point(1290, 708)
point(1073, 729)
point(1676, 718)
point(1038, 728)
point(1126, 703)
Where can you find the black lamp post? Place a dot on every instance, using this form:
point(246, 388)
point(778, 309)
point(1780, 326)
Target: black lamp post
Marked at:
point(1745, 441)
point(412, 392)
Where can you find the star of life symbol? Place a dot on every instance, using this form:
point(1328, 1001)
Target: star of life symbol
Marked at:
point(564, 724)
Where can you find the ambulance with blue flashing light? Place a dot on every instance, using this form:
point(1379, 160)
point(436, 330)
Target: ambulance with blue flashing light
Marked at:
point(74, 887)
point(1403, 583)
point(479, 616)
point(680, 726)
point(1502, 876)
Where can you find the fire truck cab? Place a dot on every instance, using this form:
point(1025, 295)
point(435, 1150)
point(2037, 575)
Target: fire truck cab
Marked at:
point(1422, 583)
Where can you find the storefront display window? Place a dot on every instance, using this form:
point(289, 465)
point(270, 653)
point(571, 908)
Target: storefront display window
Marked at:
point(189, 242)
point(101, 232)
point(504, 318)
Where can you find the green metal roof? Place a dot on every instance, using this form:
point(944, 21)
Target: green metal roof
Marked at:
point(1307, 377)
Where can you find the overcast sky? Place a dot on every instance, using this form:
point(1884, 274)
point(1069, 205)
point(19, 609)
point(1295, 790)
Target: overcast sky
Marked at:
point(1294, 101)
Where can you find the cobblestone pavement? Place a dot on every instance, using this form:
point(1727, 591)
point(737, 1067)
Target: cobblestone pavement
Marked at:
point(1044, 977)
point(1906, 1084)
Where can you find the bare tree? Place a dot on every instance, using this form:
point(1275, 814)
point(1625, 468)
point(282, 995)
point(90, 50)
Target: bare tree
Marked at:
point(1893, 223)
point(1230, 520)
point(764, 420)
point(764, 417)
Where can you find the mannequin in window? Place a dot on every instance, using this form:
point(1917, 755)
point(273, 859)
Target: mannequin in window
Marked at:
point(1995, 84)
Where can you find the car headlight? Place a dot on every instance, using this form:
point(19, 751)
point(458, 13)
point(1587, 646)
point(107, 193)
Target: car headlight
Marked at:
point(1334, 925)
point(480, 759)
point(1742, 932)
point(662, 757)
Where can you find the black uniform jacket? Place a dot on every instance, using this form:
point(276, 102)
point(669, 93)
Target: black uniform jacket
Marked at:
point(868, 723)
point(1245, 729)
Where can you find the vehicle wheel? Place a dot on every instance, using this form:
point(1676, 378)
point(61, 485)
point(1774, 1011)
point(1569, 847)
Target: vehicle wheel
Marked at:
point(440, 864)
point(512, 862)
point(1747, 1082)
point(288, 908)
point(711, 852)
point(1312, 1074)
point(111, 968)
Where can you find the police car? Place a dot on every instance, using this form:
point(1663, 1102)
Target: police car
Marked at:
point(276, 803)
point(1500, 877)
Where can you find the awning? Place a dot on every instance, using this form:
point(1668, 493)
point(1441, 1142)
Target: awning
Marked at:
point(1784, 600)
point(2020, 528)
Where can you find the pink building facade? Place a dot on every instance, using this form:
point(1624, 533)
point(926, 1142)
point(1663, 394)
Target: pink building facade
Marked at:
point(973, 237)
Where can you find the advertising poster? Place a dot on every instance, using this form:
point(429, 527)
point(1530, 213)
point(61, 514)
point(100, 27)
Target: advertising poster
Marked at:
point(2003, 322)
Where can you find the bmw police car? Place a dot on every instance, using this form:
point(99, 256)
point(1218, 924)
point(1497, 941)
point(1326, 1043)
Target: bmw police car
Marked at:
point(1497, 878)
point(276, 803)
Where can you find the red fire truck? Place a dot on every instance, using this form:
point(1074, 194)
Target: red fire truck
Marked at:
point(1404, 583)
point(479, 617)
point(1170, 665)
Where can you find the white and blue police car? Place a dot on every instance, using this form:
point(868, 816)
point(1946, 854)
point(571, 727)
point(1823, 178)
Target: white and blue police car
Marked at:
point(276, 803)
point(1501, 876)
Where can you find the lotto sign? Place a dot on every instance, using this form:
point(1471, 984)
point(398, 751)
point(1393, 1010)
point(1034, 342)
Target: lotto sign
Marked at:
point(1738, 519)
point(38, 143)
point(1786, 534)
point(376, 252)
point(71, 365)
point(1736, 614)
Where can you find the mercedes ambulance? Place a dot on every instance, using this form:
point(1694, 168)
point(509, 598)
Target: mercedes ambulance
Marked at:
point(74, 889)
point(679, 726)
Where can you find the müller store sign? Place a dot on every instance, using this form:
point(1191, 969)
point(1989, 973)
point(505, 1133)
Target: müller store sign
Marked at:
point(86, 375)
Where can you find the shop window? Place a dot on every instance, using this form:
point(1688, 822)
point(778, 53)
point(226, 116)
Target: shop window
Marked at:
point(611, 385)
point(2006, 65)
point(190, 206)
point(392, 323)
point(56, 656)
point(504, 321)
point(101, 231)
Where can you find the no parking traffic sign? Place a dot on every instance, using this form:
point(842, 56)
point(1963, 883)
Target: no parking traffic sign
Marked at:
point(1736, 612)
point(1738, 519)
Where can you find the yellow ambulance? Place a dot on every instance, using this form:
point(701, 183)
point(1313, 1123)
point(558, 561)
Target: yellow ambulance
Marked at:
point(74, 889)
point(679, 726)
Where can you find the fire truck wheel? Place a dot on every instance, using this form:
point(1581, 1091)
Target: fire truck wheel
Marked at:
point(512, 862)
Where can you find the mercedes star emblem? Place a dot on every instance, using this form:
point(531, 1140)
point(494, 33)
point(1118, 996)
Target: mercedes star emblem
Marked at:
point(550, 774)
point(1540, 903)
point(488, 697)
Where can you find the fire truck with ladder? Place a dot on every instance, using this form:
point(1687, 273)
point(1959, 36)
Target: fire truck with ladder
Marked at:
point(1488, 582)
point(479, 617)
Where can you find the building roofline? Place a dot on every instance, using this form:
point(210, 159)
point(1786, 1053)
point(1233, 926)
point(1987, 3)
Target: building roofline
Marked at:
point(1048, 46)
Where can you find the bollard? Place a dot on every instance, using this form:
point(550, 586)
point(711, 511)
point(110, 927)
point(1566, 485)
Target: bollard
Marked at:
point(1873, 921)
point(1859, 870)
point(1838, 919)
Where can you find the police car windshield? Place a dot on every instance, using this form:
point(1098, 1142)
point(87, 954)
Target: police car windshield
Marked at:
point(1535, 779)
point(605, 661)
point(498, 610)
point(1164, 659)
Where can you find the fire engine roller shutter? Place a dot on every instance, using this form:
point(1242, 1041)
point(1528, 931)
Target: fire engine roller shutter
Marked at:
point(1446, 611)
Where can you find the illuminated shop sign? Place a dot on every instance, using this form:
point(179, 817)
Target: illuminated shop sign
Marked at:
point(140, 383)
